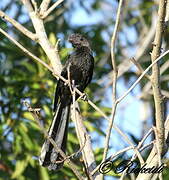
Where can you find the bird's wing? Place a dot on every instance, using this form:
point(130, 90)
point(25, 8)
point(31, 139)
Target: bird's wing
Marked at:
point(59, 84)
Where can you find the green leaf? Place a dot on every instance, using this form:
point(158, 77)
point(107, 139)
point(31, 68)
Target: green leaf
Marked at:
point(52, 38)
point(19, 168)
point(43, 173)
point(26, 138)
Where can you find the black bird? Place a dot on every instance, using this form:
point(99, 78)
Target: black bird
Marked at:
point(80, 64)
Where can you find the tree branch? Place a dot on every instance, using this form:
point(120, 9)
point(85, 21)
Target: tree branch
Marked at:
point(44, 6)
point(142, 48)
point(155, 77)
point(153, 159)
point(18, 26)
point(113, 41)
point(28, 53)
point(45, 14)
point(141, 70)
point(141, 76)
point(42, 37)
point(84, 139)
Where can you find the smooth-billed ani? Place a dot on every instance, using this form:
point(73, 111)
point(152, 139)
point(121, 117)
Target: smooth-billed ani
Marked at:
point(80, 66)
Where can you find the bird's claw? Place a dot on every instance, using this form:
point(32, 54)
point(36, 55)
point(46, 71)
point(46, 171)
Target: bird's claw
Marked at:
point(84, 97)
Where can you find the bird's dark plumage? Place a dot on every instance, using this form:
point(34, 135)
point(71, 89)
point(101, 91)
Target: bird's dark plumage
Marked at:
point(80, 64)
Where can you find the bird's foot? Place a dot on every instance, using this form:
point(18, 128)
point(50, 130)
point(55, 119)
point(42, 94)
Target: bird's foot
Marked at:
point(84, 97)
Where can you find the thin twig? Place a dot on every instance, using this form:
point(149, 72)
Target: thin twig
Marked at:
point(57, 45)
point(147, 87)
point(144, 138)
point(141, 70)
point(28, 53)
point(79, 151)
point(113, 41)
point(142, 141)
point(141, 76)
point(35, 5)
point(57, 3)
point(70, 83)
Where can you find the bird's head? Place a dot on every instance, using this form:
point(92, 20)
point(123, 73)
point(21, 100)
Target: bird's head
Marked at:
point(78, 41)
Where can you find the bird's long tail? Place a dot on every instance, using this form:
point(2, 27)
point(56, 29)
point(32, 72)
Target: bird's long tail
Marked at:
point(58, 131)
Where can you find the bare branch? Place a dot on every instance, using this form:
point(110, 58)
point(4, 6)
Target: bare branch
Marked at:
point(153, 158)
point(34, 3)
point(142, 47)
point(44, 6)
point(113, 41)
point(18, 26)
point(42, 37)
point(155, 78)
point(141, 76)
point(141, 70)
point(84, 140)
point(167, 12)
point(28, 5)
point(25, 50)
point(45, 14)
